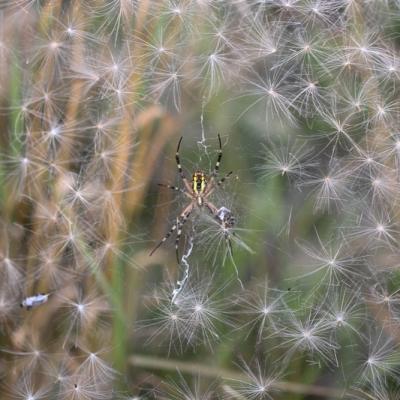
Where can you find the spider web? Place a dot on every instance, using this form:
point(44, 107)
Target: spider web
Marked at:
point(184, 261)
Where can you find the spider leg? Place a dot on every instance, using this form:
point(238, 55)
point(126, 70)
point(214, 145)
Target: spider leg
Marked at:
point(222, 180)
point(213, 210)
point(178, 163)
point(216, 167)
point(168, 234)
point(175, 188)
point(212, 185)
point(180, 221)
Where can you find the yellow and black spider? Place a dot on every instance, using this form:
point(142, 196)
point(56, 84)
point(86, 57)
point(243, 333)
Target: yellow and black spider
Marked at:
point(199, 191)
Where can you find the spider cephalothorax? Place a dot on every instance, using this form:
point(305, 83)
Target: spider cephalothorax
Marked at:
point(198, 191)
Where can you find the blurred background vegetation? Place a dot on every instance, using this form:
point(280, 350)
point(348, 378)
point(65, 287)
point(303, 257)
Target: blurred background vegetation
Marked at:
point(94, 97)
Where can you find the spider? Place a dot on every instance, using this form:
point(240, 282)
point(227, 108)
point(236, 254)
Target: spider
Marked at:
point(198, 192)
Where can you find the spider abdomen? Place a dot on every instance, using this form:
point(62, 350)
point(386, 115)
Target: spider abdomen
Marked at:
point(199, 183)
